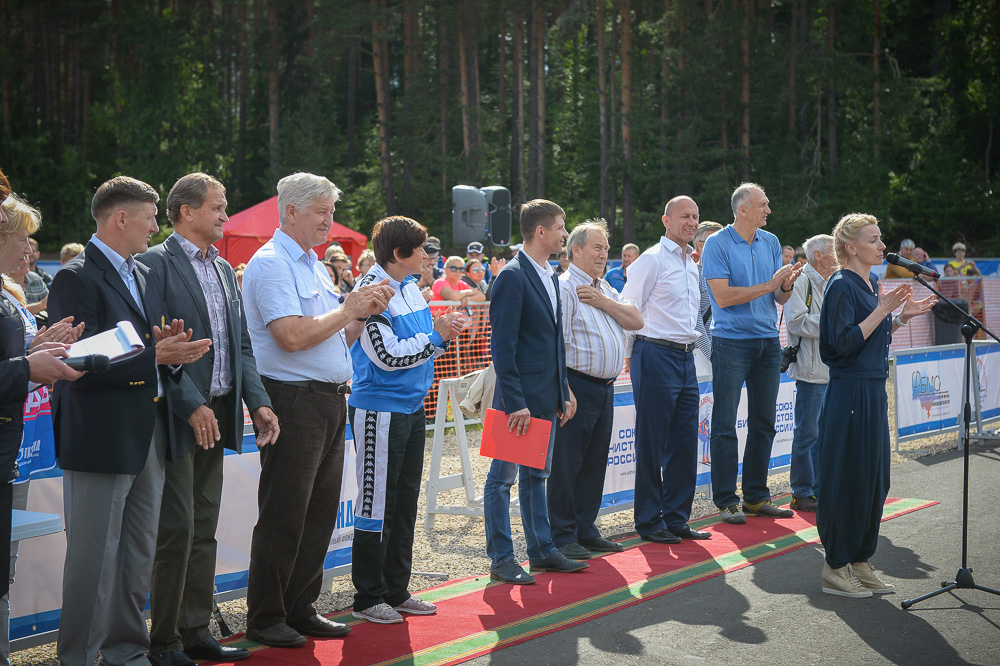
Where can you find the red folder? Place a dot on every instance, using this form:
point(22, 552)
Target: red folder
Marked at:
point(530, 449)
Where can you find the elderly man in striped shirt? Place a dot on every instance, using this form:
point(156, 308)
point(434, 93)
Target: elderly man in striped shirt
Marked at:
point(595, 318)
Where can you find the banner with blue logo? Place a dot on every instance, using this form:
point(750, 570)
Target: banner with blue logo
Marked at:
point(619, 481)
point(929, 387)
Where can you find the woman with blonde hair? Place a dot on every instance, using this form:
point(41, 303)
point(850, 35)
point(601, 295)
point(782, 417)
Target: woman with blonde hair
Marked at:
point(20, 372)
point(856, 327)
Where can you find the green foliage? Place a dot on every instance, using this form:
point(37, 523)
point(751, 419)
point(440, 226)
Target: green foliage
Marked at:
point(157, 93)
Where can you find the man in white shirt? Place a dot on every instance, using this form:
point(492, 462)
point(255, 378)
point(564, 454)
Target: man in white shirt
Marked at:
point(663, 282)
point(300, 334)
point(595, 318)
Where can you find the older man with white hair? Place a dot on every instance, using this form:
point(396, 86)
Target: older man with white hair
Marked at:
point(595, 318)
point(894, 272)
point(809, 372)
point(300, 334)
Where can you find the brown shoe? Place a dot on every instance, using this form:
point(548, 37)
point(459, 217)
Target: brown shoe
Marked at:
point(865, 573)
point(277, 635)
point(843, 583)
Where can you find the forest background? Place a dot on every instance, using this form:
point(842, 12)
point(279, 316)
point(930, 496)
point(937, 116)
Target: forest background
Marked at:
point(608, 107)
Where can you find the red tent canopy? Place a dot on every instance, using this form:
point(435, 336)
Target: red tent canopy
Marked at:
point(248, 230)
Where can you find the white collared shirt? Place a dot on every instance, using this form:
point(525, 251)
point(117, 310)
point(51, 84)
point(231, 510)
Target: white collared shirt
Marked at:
point(283, 280)
point(125, 266)
point(595, 342)
point(663, 282)
point(545, 273)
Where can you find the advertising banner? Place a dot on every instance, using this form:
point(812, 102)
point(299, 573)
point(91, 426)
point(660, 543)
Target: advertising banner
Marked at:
point(929, 387)
point(36, 595)
point(619, 482)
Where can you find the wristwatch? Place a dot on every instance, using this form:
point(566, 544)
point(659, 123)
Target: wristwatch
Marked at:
point(899, 322)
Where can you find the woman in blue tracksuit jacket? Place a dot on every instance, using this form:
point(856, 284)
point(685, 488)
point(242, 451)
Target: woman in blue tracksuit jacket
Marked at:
point(393, 369)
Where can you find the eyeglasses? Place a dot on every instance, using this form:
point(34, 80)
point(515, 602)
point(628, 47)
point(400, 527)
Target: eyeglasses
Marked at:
point(456, 269)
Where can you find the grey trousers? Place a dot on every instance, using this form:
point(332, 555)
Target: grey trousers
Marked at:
point(111, 522)
point(183, 587)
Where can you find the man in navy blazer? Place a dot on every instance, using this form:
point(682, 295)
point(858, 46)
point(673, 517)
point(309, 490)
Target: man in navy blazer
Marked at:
point(112, 432)
point(530, 359)
point(200, 287)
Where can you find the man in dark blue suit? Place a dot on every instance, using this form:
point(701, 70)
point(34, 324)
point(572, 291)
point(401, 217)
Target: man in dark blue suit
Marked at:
point(530, 359)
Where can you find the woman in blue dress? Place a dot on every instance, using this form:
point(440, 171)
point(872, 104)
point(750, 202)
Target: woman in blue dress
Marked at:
point(856, 327)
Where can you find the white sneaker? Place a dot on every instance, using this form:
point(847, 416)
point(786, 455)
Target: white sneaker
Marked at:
point(865, 573)
point(379, 613)
point(416, 606)
point(843, 582)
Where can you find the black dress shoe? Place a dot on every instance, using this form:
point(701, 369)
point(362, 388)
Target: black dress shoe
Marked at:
point(277, 635)
point(172, 658)
point(662, 536)
point(602, 545)
point(320, 627)
point(212, 650)
point(687, 533)
point(559, 563)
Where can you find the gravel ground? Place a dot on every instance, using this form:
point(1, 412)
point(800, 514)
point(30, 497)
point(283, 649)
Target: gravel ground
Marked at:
point(456, 547)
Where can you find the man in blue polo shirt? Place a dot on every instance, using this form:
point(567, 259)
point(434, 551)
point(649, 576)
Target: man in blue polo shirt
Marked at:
point(742, 264)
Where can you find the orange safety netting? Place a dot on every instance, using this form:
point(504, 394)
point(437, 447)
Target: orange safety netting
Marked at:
point(471, 350)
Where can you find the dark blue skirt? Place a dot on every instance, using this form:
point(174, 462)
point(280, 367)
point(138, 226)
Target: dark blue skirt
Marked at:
point(853, 468)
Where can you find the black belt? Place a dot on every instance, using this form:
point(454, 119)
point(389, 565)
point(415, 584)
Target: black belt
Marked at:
point(687, 347)
point(314, 385)
point(213, 399)
point(596, 380)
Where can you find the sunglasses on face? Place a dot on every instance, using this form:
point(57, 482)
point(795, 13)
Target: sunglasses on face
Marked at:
point(477, 270)
point(456, 269)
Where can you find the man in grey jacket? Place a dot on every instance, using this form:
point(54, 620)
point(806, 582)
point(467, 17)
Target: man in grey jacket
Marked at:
point(809, 372)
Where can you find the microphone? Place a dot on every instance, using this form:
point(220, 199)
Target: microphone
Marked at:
point(911, 266)
point(91, 363)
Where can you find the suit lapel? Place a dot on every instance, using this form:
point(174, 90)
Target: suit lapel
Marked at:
point(186, 272)
point(536, 282)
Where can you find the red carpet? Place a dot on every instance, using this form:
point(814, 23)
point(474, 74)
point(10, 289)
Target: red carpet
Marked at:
point(476, 616)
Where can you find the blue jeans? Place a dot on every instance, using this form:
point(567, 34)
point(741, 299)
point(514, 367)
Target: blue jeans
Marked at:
point(805, 440)
point(534, 510)
point(754, 361)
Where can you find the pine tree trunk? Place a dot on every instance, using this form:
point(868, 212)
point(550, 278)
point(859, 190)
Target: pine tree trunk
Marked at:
point(273, 100)
point(517, 175)
point(502, 79)
point(602, 105)
point(793, 51)
point(745, 91)
point(628, 193)
point(876, 69)
point(380, 58)
point(831, 92)
point(536, 106)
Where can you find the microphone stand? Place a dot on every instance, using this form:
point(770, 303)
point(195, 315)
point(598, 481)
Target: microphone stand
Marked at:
point(963, 579)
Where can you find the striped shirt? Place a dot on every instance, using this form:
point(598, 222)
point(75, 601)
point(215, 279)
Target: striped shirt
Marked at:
point(595, 342)
point(215, 300)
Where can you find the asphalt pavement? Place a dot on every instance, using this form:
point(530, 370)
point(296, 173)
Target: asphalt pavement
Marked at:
point(775, 613)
